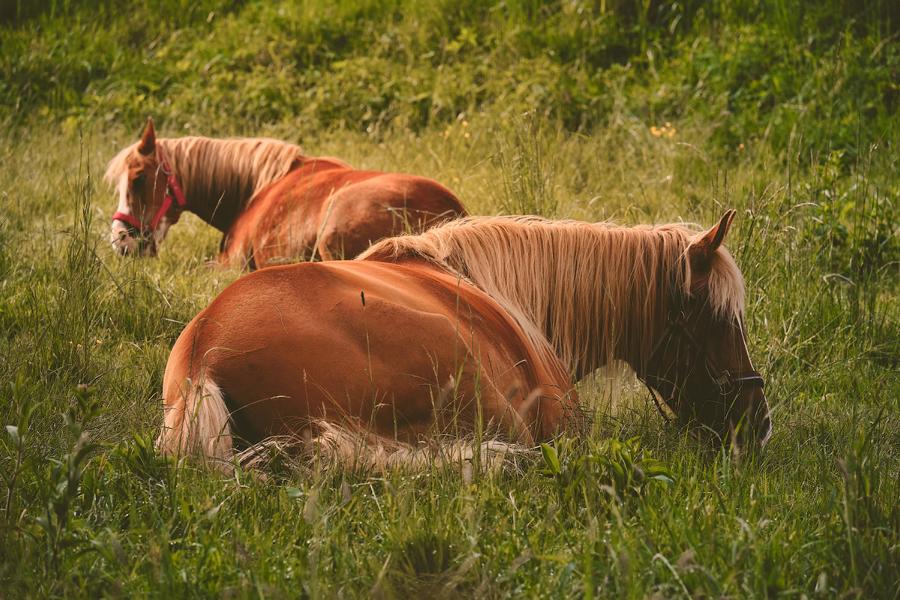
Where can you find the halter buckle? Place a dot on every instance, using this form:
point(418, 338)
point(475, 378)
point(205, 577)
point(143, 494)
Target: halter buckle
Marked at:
point(723, 380)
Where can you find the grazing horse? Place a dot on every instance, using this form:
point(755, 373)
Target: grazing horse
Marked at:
point(272, 203)
point(483, 320)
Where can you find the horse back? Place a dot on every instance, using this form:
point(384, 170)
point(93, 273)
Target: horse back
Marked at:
point(326, 207)
point(385, 344)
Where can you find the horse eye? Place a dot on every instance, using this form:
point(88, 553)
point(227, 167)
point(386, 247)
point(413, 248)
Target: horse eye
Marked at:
point(138, 181)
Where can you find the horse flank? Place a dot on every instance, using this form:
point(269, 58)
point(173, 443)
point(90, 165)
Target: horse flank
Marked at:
point(231, 170)
point(565, 281)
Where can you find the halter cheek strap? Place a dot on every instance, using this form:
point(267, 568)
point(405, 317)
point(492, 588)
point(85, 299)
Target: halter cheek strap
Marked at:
point(173, 201)
point(677, 327)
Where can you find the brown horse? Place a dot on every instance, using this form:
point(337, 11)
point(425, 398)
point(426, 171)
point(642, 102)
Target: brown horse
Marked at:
point(272, 203)
point(483, 320)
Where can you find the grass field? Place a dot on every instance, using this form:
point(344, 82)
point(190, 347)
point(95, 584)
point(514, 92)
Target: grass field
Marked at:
point(620, 109)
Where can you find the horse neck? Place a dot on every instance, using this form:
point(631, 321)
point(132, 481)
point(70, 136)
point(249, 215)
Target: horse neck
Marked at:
point(597, 294)
point(218, 184)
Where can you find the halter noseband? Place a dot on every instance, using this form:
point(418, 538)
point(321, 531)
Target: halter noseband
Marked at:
point(723, 378)
point(174, 201)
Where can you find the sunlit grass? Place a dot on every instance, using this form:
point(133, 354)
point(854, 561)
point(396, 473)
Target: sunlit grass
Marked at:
point(678, 127)
point(792, 518)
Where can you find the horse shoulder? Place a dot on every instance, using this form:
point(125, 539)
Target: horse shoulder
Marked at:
point(533, 381)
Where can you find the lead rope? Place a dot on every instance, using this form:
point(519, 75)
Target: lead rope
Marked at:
point(656, 403)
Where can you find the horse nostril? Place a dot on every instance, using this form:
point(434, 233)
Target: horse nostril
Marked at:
point(123, 235)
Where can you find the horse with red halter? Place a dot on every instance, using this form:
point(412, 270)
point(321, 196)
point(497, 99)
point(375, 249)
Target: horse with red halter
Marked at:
point(483, 320)
point(272, 203)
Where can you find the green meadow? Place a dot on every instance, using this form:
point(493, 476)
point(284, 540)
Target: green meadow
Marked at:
point(634, 111)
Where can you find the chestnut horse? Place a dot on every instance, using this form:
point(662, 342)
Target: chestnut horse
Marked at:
point(272, 203)
point(483, 320)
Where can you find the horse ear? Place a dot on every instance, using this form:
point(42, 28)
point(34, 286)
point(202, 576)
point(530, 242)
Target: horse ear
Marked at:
point(701, 250)
point(148, 139)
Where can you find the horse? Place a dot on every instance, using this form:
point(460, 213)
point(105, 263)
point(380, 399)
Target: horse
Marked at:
point(484, 322)
point(271, 203)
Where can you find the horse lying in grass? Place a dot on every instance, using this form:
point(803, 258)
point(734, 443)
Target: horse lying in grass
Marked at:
point(272, 203)
point(479, 321)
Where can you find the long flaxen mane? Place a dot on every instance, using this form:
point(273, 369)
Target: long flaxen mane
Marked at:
point(230, 170)
point(580, 290)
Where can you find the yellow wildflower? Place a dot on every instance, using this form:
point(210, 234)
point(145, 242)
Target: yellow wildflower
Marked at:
point(667, 130)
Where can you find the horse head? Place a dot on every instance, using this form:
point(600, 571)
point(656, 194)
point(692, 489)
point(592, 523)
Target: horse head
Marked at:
point(149, 197)
point(700, 363)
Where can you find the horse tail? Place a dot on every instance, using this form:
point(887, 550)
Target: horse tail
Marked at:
point(196, 421)
point(345, 445)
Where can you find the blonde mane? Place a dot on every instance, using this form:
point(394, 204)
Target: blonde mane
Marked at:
point(584, 291)
point(231, 171)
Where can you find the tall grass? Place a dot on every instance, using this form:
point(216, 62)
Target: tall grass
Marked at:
point(787, 115)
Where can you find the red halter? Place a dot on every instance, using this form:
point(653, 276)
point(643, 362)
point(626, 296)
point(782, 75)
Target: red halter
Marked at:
point(174, 200)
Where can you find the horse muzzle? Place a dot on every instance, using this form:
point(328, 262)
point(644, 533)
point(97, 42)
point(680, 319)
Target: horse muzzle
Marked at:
point(128, 241)
point(753, 427)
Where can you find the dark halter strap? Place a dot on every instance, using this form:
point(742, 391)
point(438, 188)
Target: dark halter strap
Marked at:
point(174, 202)
point(677, 328)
